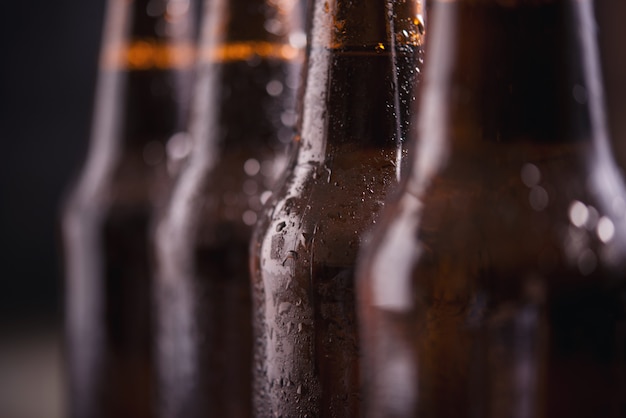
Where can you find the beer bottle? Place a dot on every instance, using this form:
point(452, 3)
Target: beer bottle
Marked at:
point(242, 121)
point(362, 59)
point(495, 283)
point(145, 70)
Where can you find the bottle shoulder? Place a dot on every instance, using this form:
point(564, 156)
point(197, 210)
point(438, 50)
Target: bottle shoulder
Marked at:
point(322, 212)
point(490, 221)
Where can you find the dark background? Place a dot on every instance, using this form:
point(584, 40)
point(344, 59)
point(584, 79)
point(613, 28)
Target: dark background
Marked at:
point(49, 53)
point(47, 79)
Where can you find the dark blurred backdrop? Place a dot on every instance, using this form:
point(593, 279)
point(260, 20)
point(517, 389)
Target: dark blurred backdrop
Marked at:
point(47, 76)
point(49, 55)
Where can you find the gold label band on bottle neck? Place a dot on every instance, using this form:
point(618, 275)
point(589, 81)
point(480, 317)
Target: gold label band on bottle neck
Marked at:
point(244, 51)
point(143, 55)
point(149, 54)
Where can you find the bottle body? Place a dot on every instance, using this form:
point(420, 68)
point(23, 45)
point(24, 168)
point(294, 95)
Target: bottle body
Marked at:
point(141, 102)
point(495, 284)
point(244, 105)
point(347, 158)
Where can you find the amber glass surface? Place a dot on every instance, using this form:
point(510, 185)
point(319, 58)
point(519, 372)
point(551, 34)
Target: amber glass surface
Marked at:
point(144, 83)
point(242, 120)
point(495, 283)
point(363, 59)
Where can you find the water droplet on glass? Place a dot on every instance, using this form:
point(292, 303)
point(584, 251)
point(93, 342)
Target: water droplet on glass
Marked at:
point(273, 26)
point(578, 213)
point(605, 229)
point(281, 226)
point(265, 196)
point(538, 198)
point(300, 327)
point(530, 175)
point(292, 255)
point(289, 118)
point(178, 146)
point(249, 217)
point(297, 39)
point(284, 307)
point(419, 22)
point(285, 135)
point(299, 390)
point(251, 167)
point(274, 88)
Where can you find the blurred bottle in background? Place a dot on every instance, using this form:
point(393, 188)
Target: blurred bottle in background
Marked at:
point(242, 120)
point(495, 285)
point(363, 59)
point(142, 101)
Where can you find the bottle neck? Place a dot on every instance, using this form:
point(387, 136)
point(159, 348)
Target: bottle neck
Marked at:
point(361, 57)
point(145, 72)
point(518, 72)
point(248, 52)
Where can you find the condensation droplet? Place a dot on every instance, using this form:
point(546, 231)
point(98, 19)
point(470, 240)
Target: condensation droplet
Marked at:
point(284, 307)
point(605, 229)
point(531, 176)
point(297, 39)
point(178, 146)
point(300, 327)
point(274, 26)
point(578, 213)
point(538, 198)
point(281, 226)
point(251, 167)
point(274, 88)
point(289, 118)
point(265, 196)
point(285, 135)
point(249, 217)
point(419, 22)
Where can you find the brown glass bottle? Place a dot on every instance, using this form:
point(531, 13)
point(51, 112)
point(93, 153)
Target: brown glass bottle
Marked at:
point(362, 61)
point(242, 121)
point(495, 283)
point(142, 99)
